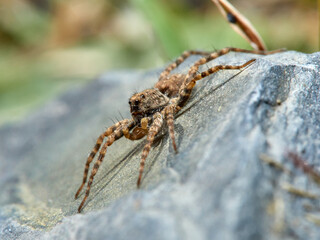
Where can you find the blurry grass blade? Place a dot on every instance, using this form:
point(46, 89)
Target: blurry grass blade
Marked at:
point(240, 24)
point(165, 25)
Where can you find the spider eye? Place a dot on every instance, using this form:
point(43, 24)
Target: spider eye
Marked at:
point(142, 96)
point(136, 102)
point(129, 102)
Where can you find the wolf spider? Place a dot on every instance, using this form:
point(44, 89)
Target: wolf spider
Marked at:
point(151, 107)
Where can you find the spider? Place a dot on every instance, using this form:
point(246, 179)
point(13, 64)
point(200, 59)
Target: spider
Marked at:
point(152, 107)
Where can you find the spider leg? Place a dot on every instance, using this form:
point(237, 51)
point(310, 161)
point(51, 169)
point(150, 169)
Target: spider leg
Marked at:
point(95, 149)
point(153, 131)
point(185, 92)
point(179, 60)
point(113, 135)
point(169, 117)
point(216, 54)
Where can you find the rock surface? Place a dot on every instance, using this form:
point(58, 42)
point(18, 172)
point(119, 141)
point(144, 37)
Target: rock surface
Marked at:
point(216, 187)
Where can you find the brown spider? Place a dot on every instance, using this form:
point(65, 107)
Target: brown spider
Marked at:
point(151, 107)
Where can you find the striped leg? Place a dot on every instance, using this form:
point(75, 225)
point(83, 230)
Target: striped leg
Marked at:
point(154, 129)
point(185, 92)
point(193, 70)
point(113, 136)
point(169, 117)
point(179, 60)
point(95, 149)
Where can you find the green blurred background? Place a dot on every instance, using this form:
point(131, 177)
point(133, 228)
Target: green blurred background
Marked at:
point(48, 46)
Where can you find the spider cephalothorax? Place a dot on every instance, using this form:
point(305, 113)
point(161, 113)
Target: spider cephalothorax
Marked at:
point(146, 103)
point(152, 107)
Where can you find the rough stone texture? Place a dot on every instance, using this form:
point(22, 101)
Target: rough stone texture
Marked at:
point(216, 187)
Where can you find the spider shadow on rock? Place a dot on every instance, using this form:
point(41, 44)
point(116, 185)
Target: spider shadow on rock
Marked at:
point(160, 140)
point(115, 170)
point(197, 99)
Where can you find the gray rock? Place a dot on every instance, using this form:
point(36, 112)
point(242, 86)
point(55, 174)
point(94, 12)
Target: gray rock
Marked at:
point(216, 187)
